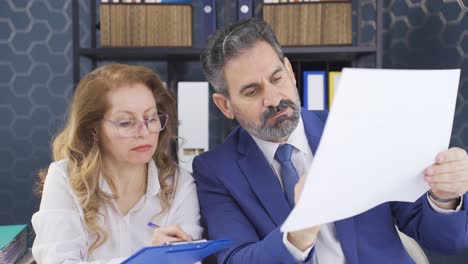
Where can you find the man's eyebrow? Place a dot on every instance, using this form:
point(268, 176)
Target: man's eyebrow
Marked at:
point(253, 84)
point(278, 69)
point(247, 86)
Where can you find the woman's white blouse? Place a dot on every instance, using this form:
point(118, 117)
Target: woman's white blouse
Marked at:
point(62, 236)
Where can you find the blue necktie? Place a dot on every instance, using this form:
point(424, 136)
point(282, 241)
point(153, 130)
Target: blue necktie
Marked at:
point(289, 174)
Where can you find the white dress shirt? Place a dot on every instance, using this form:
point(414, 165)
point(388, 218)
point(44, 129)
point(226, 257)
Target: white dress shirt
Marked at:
point(62, 236)
point(327, 247)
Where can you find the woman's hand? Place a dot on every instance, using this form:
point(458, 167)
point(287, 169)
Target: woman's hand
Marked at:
point(169, 234)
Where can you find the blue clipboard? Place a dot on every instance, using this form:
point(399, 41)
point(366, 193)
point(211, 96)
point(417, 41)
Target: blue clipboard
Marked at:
point(177, 253)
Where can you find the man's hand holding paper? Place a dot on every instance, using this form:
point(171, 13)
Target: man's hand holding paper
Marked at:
point(305, 238)
point(448, 177)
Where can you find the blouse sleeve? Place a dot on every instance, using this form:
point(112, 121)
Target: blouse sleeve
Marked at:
point(60, 231)
point(185, 208)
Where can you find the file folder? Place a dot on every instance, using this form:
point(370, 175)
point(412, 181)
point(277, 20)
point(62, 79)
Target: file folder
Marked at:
point(13, 243)
point(245, 9)
point(333, 81)
point(315, 86)
point(208, 19)
point(186, 253)
point(193, 111)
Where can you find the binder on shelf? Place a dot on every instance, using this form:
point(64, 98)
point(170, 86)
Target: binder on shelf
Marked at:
point(169, 25)
point(160, 1)
point(208, 19)
point(314, 90)
point(245, 9)
point(295, 24)
point(333, 84)
point(177, 253)
point(336, 24)
point(193, 112)
point(117, 25)
point(104, 16)
point(143, 25)
point(177, 1)
point(138, 24)
point(325, 22)
point(13, 243)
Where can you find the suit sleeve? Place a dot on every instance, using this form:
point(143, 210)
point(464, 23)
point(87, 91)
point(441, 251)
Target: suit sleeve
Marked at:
point(444, 233)
point(225, 220)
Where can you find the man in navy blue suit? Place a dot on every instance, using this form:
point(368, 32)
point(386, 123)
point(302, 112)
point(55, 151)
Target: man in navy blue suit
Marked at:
point(248, 185)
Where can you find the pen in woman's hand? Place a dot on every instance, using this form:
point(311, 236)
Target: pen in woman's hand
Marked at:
point(152, 225)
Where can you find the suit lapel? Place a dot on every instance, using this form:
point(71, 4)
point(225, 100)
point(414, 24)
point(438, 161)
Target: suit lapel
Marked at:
point(260, 175)
point(313, 127)
point(262, 179)
point(347, 236)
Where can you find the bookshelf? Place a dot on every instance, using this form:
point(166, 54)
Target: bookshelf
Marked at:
point(173, 56)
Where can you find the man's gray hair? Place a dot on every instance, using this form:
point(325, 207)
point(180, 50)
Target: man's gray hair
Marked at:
point(230, 42)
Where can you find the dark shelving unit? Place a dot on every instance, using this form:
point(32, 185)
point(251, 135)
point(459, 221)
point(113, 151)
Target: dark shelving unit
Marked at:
point(176, 56)
point(131, 53)
point(192, 54)
point(327, 53)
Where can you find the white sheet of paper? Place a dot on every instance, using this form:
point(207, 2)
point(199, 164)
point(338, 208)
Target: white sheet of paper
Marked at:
point(385, 127)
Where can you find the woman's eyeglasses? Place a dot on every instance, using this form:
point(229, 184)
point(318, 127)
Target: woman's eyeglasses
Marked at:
point(132, 128)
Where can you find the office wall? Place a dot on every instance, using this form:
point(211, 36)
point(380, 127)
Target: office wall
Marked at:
point(35, 89)
point(36, 77)
point(431, 34)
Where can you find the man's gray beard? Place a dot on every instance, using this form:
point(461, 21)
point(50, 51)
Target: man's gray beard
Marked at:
point(283, 126)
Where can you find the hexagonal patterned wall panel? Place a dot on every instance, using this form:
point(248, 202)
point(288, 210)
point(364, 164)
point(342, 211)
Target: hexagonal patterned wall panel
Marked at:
point(35, 50)
point(431, 34)
point(36, 76)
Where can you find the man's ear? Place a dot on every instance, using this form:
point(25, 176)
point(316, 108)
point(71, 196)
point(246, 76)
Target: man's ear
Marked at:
point(223, 104)
point(288, 66)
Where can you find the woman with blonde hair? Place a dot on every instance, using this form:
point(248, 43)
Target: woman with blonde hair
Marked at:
point(113, 173)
